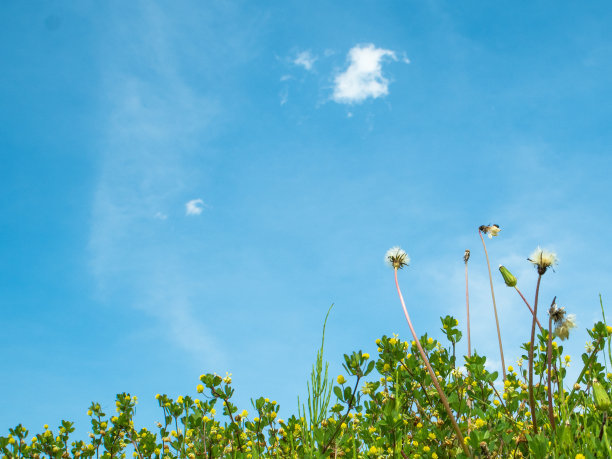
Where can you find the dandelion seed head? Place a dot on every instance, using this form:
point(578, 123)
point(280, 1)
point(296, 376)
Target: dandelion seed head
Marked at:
point(563, 329)
point(490, 230)
point(397, 258)
point(543, 259)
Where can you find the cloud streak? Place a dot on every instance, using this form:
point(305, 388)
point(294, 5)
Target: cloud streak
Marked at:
point(149, 126)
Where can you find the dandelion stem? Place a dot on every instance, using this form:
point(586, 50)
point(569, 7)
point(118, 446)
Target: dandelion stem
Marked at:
point(531, 344)
point(551, 414)
point(529, 307)
point(432, 374)
point(501, 349)
point(467, 304)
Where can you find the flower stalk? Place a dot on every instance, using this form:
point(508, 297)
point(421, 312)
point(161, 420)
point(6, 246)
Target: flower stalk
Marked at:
point(492, 231)
point(551, 414)
point(400, 260)
point(466, 257)
point(532, 404)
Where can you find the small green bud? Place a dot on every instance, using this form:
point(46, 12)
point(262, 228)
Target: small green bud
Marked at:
point(602, 401)
point(509, 279)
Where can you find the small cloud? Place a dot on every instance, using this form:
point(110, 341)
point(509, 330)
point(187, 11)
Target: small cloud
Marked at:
point(405, 59)
point(286, 77)
point(305, 59)
point(160, 216)
point(349, 115)
point(329, 52)
point(194, 207)
point(363, 78)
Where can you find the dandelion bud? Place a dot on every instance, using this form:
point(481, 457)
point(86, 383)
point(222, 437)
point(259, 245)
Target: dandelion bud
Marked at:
point(602, 401)
point(509, 279)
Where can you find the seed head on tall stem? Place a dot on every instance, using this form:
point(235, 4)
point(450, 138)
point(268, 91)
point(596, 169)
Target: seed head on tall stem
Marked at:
point(542, 260)
point(493, 230)
point(397, 259)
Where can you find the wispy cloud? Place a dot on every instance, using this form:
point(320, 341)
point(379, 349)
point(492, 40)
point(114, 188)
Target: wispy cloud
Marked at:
point(305, 59)
point(149, 127)
point(363, 78)
point(194, 207)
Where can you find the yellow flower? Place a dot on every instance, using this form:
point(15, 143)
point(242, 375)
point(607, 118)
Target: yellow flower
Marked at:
point(430, 340)
point(244, 413)
point(567, 359)
point(510, 369)
point(426, 449)
point(434, 456)
point(340, 379)
point(366, 356)
point(580, 456)
point(373, 450)
point(179, 399)
point(200, 388)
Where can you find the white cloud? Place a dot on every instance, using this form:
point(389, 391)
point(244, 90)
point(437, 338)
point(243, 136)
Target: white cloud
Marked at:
point(160, 216)
point(194, 207)
point(363, 78)
point(305, 59)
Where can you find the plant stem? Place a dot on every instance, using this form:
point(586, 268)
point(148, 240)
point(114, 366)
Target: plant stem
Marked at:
point(432, 374)
point(467, 304)
point(551, 414)
point(501, 349)
point(531, 344)
point(529, 307)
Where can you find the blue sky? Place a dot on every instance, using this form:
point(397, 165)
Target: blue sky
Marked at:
point(308, 138)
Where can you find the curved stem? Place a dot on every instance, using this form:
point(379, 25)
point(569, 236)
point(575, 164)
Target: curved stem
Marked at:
point(501, 349)
point(432, 374)
point(531, 344)
point(528, 306)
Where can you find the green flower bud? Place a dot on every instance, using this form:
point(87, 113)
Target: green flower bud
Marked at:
point(602, 401)
point(509, 279)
